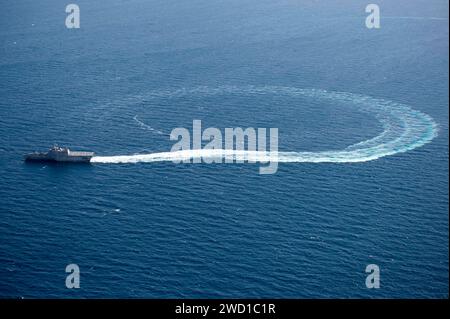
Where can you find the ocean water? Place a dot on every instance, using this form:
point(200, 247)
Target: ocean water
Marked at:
point(363, 139)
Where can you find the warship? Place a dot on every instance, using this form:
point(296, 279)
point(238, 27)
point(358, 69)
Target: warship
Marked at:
point(60, 154)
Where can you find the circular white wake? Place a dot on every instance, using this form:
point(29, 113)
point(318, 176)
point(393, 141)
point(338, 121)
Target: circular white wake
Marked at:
point(403, 129)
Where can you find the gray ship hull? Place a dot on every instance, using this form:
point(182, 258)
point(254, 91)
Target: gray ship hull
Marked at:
point(44, 158)
point(63, 155)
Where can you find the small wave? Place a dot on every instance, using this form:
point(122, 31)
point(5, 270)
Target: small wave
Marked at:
point(147, 127)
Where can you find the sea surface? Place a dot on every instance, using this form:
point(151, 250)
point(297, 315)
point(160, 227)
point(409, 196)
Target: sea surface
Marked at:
point(373, 102)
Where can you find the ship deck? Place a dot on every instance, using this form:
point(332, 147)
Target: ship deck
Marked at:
point(81, 153)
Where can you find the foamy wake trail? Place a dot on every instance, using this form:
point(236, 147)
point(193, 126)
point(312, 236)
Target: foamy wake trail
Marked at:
point(404, 129)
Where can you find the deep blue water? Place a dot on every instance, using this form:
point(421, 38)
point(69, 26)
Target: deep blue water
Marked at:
point(164, 230)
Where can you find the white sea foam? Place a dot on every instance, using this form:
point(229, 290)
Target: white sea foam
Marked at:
point(404, 129)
